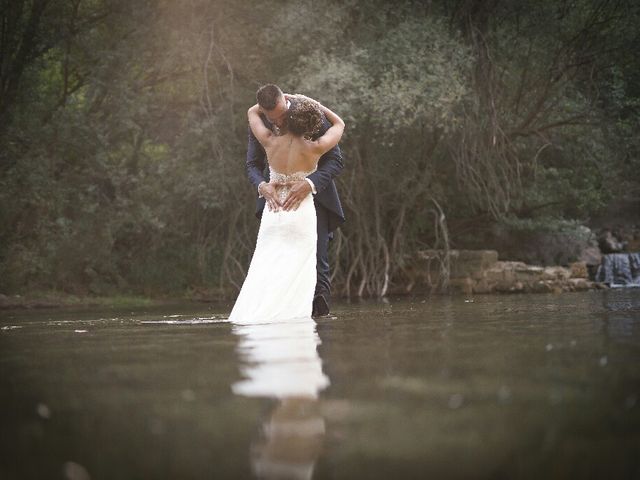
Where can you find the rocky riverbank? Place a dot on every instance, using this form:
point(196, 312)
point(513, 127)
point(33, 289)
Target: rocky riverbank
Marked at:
point(480, 271)
point(470, 271)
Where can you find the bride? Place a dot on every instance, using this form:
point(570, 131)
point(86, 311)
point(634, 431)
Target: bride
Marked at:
point(281, 279)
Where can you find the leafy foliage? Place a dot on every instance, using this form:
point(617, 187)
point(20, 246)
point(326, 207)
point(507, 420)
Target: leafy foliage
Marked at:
point(123, 130)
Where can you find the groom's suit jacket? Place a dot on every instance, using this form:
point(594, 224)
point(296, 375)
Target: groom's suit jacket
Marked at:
point(329, 166)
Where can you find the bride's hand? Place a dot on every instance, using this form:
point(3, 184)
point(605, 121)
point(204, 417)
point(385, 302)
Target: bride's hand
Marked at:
point(268, 191)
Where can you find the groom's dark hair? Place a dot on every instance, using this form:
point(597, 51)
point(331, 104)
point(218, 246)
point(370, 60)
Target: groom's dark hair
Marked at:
point(268, 96)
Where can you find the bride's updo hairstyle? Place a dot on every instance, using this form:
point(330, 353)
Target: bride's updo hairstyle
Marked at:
point(304, 117)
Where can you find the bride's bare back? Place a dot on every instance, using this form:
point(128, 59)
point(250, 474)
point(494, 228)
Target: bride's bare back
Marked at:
point(290, 154)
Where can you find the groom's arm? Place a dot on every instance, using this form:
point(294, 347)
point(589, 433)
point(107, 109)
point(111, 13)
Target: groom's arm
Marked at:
point(329, 166)
point(256, 158)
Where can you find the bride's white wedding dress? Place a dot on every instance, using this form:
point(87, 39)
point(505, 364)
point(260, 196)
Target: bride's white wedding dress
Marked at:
point(282, 276)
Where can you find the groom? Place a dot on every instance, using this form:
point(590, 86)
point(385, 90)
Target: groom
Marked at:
point(274, 105)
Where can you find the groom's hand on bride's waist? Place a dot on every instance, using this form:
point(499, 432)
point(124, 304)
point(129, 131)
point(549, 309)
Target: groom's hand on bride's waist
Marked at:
point(297, 193)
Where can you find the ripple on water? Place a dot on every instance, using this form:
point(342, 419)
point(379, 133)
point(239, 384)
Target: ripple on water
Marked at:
point(186, 321)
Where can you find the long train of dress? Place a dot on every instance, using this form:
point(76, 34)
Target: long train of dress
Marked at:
point(282, 276)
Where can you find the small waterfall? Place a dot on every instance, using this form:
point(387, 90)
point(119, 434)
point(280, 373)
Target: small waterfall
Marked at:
point(620, 270)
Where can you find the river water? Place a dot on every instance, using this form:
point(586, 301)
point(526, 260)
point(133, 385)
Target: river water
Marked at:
point(488, 387)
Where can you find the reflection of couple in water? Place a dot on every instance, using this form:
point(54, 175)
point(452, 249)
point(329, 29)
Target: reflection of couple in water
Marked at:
point(292, 442)
point(288, 280)
point(280, 361)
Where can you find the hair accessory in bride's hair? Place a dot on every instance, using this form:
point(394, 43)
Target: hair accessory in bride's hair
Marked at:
point(304, 117)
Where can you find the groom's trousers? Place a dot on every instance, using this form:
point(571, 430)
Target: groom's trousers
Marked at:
point(323, 284)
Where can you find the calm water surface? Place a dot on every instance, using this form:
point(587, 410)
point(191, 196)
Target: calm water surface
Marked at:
point(489, 387)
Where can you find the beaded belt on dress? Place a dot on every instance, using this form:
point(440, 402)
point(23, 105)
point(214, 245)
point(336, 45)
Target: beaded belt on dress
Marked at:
point(277, 177)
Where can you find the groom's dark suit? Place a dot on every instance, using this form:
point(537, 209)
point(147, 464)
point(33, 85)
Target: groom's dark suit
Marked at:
point(328, 208)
